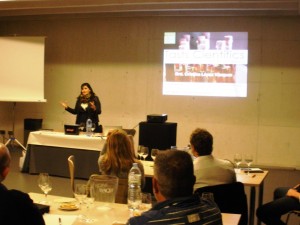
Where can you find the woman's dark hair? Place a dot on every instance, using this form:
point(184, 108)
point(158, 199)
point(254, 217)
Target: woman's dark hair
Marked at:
point(89, 87)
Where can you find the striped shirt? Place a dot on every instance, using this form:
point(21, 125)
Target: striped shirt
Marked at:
point(188, 210)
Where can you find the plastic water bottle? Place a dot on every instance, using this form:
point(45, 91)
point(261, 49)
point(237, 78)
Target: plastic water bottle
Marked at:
point(134, 187)
point(88, 127)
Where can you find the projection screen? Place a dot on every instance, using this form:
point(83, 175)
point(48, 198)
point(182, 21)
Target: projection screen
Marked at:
point(22, 69)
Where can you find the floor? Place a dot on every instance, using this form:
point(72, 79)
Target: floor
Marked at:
point(28, 182)
point(61, 186)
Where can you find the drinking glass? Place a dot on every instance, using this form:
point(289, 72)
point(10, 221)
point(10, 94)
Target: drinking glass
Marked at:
point(89, 201)
point(81, 126)
point(140, 151)
point(154, 153)
point(145, 152)
point(45, 185)
point(80, 193)
point(146, 202)
point(237, 160)
point(248, 160)
point(93, 127)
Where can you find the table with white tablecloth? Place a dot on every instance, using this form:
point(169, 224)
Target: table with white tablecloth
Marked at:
point(102, 213)
point(48, 152)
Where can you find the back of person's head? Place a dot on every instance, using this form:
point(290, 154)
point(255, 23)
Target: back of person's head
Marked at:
point(119, 151)
point(202, 141)
point(173, 170)
point(4, 161)
point(118, 142)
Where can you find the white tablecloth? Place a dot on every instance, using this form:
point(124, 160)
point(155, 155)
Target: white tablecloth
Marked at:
point(59, 139)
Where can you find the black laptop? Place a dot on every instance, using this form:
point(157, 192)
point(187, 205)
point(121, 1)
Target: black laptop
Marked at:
point(71, 129)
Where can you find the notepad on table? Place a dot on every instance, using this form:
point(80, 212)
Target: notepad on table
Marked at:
point(51, 219)
point(252, 170)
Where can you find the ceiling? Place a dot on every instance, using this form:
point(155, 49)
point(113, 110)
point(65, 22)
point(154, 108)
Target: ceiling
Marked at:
point(150, 8)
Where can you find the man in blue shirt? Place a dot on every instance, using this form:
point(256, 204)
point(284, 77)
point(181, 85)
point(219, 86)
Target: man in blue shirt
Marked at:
point(173, 183)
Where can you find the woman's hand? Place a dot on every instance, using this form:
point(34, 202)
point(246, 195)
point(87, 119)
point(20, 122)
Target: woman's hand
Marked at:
point(64, 104)
point(293, 193)
point(92, 105)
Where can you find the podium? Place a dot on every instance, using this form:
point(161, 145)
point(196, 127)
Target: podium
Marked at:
point(31, 125)
point(157, 135)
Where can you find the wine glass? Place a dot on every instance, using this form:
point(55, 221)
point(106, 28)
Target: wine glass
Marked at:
point(89, 201)
point(140, 151)
point(81, 126)
point(93, 127)
point(80, 193)
point(237, 160)
point(248, 160)
point(145, 151)
point(44, 184)
point(154, 153)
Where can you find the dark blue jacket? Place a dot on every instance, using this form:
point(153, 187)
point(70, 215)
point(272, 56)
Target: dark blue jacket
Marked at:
point(17, 208)
point(188, 210)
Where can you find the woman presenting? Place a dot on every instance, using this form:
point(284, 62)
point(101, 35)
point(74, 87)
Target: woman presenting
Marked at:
point(87, 106)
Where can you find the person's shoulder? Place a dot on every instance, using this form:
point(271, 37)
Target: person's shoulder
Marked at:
point(225, 162)
point(145, 217)
point(19, 196)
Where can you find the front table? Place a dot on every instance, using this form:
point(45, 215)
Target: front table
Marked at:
point(253, 180)
point(104, 215)
point(48, 152)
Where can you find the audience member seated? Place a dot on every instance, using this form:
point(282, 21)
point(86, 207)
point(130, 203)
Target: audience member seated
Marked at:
point(208, 169)
point(16, 207)
point(173, 183)
point(119, 156)
point(285, 200)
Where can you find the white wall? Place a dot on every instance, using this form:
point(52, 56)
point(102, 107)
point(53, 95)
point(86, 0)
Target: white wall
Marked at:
point(122, 59)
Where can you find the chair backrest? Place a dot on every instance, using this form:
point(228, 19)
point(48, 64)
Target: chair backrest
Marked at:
point(71, 163)
point(130, 131)
point(122, 193)
point(296, 212)
point(230, 198)
point(103, 188)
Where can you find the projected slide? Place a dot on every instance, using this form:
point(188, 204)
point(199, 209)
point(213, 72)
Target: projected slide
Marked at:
point(205, 64)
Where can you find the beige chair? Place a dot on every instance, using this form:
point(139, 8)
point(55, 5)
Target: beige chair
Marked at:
point(71, 163)
point(130, 131)
point(122, 193)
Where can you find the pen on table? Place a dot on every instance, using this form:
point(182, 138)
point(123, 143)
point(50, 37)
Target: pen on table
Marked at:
point(59, 221)
point(253, 175)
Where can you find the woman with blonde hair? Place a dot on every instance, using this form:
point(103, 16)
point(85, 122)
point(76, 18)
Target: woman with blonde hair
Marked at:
point(120, 156)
